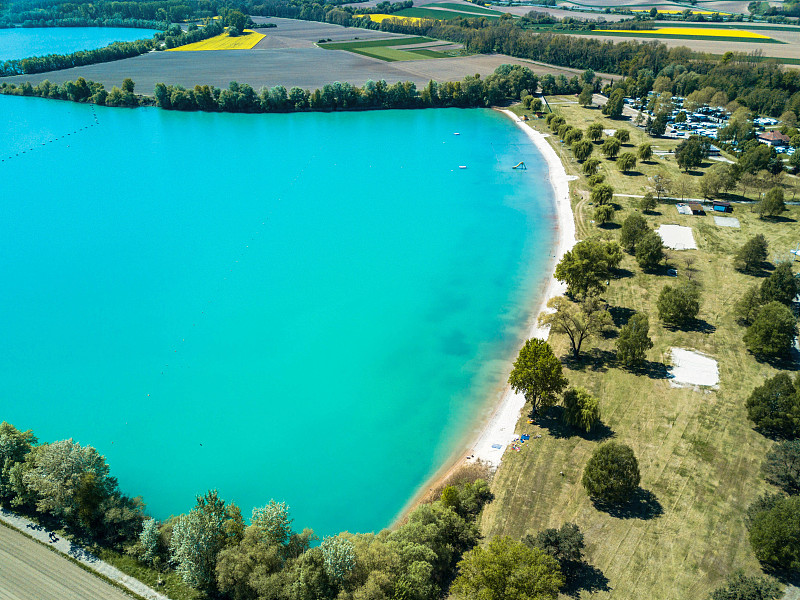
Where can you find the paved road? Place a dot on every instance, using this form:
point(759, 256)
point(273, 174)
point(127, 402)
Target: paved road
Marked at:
point(30, 571)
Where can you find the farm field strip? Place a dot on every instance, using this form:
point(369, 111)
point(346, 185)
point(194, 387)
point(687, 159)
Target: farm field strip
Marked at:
point(377, 43)
point(223, 42)
point(656, 34)
point(478, 10)
point(392, 50)
point(393, 54)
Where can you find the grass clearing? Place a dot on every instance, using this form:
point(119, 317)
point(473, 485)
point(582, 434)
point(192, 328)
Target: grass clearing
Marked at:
point(246, 41)
point(698, 454)
point(358, 45)
point(442, 15)
point(173, 586)
point(386, 50)
point(478, 10)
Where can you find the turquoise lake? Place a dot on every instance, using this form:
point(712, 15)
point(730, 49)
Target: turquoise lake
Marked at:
point(314, 308)
point(39, 41)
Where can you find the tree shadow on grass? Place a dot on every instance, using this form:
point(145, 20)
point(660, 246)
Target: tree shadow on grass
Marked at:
point(622, 273)
point(652, 369)
point(779, 219)
point(620, 315)
point(643, 505)
point(610, 225)
point(782, 363)
point(632, 173)
point(698, 325)
point(553, 422)
point(585, 578)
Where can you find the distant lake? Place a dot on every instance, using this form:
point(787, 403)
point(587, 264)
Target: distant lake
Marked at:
point(38, 41)
point(308, 307)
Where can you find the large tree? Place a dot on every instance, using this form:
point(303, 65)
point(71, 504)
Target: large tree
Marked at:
point(14, 445)
point(602, 193)
point(772, 205)
point(782, 466)
point(775, 534)
point(582, 150)
point(610, 147)
point(772, 332)
point(634, 341)
point(581, 409)
point(537, 374)
point(752, 254)
point(678, 305)
point(689, 154)
point(774, 407)
point(564, 544)
point(586, 268)
point(626, 162)
point(649, 250)
point(781, 285)
point(595, 131)
point(507, 570)
point(634, 227)
point(612, 474)
point(577, 322)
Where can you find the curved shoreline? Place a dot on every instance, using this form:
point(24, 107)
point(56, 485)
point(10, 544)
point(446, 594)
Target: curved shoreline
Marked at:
point(498, 428)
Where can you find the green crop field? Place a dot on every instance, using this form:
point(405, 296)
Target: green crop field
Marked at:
point(479, 10)
point(698, 454)
point(441, 15)
point(376, 43)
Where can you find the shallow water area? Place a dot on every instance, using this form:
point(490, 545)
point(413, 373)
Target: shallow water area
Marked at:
point(308, 307)
point(24, 42)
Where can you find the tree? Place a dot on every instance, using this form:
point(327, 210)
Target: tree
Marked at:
point(623, 135)
point(537, 374)
point(236, 19)
point(633, 229)
point(587, 267)
point(610, 147)
point(772, 205)
point(582, 150)
point(772, 332)
point(649, 250)
point(612, 474)
point(742, 587)
point(747, 306)
point(14, 445)
point(564, 544)
point(595, 131)
point(590, 166)
point(678, 305)
point(507, 570)
point(581, 409)
point(339, 555)
point(585, 97)
point(689, 154)
point(774, 407)
point(661, 185)
point(645, 152)
point(273, 522)
point(775, 534)
point(648, 202)
point(573, 136)
point(634, 341)
point(781, 285)
point(150, 539)
point(751, 256)
point(782, 466)
point(604, 213)
point(602, 194)
point(578, 323)
point(626, 162)
point(613, 107)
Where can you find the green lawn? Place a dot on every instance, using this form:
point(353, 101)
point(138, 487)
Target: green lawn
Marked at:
point(392, 54)
point(380, 49)
point(479, 10)
point(698, 454)
point(375, 43)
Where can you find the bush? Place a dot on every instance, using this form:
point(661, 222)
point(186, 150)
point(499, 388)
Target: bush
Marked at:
point(564, 544)
point(742, 587)
point(612, 474)
point(679, 305)
point(772, 332)
point(581, 409)
point(775, 534)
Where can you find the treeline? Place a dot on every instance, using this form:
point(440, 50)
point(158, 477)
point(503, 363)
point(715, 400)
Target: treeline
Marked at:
point(80, 91)
point(87, 22)
point(145, 10)
point(507, 83)
point(66, 485)
point(173, 37)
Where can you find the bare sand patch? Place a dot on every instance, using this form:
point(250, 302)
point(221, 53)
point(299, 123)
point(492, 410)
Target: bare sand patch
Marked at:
point(690, 368)
point(726, 222)
point(677, 237)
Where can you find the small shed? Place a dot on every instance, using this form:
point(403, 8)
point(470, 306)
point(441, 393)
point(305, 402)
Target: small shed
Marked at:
point(696, 208)
point(722, 206)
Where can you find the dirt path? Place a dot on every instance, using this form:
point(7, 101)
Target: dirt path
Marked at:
point(30, 571)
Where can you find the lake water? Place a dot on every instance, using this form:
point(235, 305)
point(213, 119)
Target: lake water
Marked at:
point(39, 41)
point(311, 307)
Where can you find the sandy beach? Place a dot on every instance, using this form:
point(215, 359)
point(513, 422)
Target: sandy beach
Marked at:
point(491, 440)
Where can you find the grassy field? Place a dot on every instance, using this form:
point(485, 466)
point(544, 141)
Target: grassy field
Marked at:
point(246, 41)
point(381, 49)
point(172, 585)
point(425, 13)
point(478, 10)
point(697, 451)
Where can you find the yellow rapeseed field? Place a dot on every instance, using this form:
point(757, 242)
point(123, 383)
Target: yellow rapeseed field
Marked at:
point(224, 42)
point(381, 17)
point(664, 11)
point(699, 31)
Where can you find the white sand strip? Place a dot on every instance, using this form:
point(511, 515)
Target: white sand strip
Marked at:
point(677, 237)
point(499, 429)
point(691, 369)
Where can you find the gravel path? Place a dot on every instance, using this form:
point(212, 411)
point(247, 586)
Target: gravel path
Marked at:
point(28, 570)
